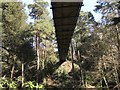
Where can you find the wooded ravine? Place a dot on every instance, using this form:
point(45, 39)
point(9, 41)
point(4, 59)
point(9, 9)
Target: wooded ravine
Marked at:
point(29, 50)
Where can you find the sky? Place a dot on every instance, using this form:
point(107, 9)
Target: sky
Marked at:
point(88, 7)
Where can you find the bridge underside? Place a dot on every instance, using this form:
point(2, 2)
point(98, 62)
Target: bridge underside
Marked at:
point(65, 15)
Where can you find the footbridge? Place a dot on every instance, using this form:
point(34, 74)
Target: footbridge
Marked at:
point(65, 15)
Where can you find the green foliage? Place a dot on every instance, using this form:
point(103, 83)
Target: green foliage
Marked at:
point(44, 26)
point(26, 52)
point(17, 41)
point(40, 87)
point(30, 85)
point(37, 9)
point(6, 83)
point(13, 24)
point(109, 10)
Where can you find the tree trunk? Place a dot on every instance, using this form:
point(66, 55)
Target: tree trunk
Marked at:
point(79, 58)
point(72, 63)
point(104, 78)
point(13, 67)
point(118, 47)
point(118, 42)
point(82, 72)
point(12, 71)
point(22, 74)
point(38, 55)
point(81, 69)
point(43, 58)
point(116, 74)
